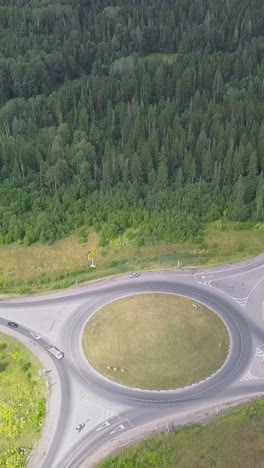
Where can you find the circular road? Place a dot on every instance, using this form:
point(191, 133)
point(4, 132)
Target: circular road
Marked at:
point(239, 352)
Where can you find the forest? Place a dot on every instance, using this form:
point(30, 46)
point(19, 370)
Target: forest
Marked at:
point(142, 118)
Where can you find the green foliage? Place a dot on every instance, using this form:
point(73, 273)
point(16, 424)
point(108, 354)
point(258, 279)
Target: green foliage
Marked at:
point(217, 224)
point(26, 366)
point(22, 406)
point(220, 442)
point(82, 236)
point(12, 458)
point(260, 226)
point(109, 111)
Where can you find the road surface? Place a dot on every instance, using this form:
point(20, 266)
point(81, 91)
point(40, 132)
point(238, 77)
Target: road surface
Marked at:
point(234, 292)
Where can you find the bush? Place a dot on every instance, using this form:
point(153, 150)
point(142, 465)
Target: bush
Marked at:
point(82, 236)
point(25, 366)
point(259, 226)
point(81, 240)
point(217, 224)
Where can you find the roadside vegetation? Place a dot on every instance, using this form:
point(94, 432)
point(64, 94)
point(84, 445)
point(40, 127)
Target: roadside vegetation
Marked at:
point(234, 439)
point(141, 120)
point(39, 268)
point(155, 341)
point(22, 403)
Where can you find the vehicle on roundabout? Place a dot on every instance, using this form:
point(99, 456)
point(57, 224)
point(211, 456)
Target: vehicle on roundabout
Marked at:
point(80, 427)
point(134, 275)
point(12, 324)
point(55, 351)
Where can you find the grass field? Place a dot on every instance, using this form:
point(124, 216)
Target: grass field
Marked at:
point(231, 440)
point(159, 340)
point(26, 270)
point(22, 402)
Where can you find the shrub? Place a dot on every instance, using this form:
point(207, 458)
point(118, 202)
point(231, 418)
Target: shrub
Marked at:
point(25, 366)
point(217, 224)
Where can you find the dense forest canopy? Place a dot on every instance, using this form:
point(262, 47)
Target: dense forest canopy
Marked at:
point(137, 117)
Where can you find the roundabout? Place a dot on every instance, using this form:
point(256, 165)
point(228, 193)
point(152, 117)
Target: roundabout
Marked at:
point(155, 341)
point(107, 410)
point(240, 346)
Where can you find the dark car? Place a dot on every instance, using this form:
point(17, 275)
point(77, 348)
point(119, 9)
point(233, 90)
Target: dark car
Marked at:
point(80, 427)
point(12, 324)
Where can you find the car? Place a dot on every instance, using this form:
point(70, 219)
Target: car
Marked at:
point(134, 275)
point(80, 427)
point(12, 324)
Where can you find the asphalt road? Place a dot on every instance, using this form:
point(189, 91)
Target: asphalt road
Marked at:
point(234, 292)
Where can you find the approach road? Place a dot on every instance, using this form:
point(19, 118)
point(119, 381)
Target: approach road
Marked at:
point(108, 410)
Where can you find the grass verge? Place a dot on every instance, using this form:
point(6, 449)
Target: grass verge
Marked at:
point(155, 341)
point(22, 403)
point(234, 439)
point(40, 268)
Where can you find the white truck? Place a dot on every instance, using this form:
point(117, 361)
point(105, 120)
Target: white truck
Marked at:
point(55, 351)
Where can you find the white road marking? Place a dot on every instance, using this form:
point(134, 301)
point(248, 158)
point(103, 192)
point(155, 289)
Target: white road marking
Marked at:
point(103, 426)
point(213, 273)
point(255, 371)
point(249, 376)
point(255, 286)
point(208, 283)
point(242, 302)
point(117, 429)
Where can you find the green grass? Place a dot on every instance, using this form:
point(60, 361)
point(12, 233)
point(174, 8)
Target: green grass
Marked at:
point(159, 340)
point(40, 268)
point(231, 440)
point(22, 402)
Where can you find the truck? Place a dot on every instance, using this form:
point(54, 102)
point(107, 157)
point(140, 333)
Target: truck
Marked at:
point(55, 351)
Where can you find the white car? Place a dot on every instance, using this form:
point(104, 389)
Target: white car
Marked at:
point(134, 275)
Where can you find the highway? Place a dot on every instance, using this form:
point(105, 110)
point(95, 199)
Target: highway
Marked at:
point(109, 410)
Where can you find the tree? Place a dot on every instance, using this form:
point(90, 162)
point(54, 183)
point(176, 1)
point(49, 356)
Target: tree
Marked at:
point(240, 192)
point(162, 175)
point(218, 84)
point(179, 179)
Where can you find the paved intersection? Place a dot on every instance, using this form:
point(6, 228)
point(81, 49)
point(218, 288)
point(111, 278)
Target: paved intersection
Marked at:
point(235, 292)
